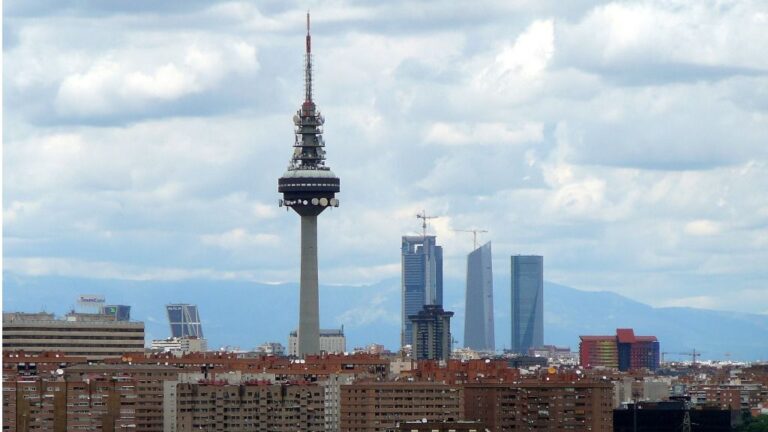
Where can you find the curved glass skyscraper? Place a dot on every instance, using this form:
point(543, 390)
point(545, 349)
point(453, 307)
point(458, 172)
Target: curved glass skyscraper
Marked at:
point(527, 302)
point(478, 318)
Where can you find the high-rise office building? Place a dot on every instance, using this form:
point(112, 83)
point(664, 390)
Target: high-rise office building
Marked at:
point(527, 302)
point(431, 333)
point(184, 320)
point(478, 318)
point(422, 279)
point(308, 187)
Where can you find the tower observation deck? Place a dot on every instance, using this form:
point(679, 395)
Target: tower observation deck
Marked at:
point(308, 187)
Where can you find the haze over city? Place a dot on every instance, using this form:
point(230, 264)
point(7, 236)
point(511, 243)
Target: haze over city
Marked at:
point(625, 142)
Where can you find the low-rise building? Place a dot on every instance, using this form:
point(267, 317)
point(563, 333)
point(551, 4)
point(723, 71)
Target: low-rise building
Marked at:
point(260, 405)
point(332, 341)
point(540, 405)
point(380, 406)
point(180, 345)
point(95, 336)
point(624, 351)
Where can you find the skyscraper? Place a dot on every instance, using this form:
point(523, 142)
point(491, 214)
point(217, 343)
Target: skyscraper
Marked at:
point(527, 302)
point(431, 333)
point(422, 279)
point(184, 320)
point(308, 187)
point(478, 318)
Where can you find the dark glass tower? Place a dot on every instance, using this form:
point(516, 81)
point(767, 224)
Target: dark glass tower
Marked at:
point(422, 279)
point(431, 329)
point(184, 320)
point(527, 302)
point(308, 187)
point(478, 318)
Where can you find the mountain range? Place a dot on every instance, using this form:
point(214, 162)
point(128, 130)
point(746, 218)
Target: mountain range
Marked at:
point(246, 314)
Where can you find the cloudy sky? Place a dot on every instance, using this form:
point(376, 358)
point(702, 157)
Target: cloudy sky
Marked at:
point(627, 142)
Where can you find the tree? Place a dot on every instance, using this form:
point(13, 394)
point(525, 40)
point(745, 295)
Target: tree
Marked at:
point(754, 424)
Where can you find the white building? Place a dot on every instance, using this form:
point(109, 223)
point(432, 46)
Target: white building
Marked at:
point(271, 348)
point(180, 345)
point(332, 341)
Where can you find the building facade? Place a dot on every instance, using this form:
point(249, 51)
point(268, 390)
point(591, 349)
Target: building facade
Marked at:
point(478, 318)
point(332, 341)
point(180, 346)
point(540, 406)
point(623, 351)
point(184, 320)
point(422, 279)
point(380, 406)
point(431, 329)
point(527, 302)
point(255, 405)
point(94, 336)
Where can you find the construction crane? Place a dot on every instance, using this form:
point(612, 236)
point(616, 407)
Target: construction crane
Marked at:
point(474, 235)
point(423, 216)
point(693, 355)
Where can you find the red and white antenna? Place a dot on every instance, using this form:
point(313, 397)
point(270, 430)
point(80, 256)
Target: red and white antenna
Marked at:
point(308, 67)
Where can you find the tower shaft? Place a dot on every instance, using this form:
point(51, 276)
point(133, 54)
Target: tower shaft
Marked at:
point(309, 305)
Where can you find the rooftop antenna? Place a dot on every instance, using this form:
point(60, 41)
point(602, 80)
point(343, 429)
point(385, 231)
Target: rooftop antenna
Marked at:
point(423, 216)
point(308, 67)
point(474, 234)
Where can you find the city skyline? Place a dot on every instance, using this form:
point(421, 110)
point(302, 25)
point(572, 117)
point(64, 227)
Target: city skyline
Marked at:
point(148, 152)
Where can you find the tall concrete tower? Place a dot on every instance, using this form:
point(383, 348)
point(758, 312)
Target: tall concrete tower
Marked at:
point(308, 187)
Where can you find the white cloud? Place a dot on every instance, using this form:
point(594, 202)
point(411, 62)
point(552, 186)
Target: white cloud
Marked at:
point(702, 227)
point(483, 133)
point(652, 33)
point(240, 239)
point(47, 266)
point(521, 62)
point(125, 81)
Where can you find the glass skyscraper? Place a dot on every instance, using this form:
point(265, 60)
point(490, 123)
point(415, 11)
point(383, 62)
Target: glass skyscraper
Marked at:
point(422, 279)
point(527, 302)
point(184, 320)
point(478, 318)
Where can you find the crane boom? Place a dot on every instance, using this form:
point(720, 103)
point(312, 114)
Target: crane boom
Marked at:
point(423, 216)
point(474, 234)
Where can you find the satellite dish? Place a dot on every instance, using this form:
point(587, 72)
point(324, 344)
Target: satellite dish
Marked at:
point(59, 372)
point(323, 202)
point(315, 201)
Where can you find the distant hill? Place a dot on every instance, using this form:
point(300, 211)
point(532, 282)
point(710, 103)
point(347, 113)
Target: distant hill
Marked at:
point(246, 314)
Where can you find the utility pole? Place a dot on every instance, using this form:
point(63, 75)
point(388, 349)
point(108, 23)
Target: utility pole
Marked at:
point(423, 216)
point(474, 235)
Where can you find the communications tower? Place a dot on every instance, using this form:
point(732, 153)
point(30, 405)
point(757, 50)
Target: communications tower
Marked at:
point(308, 187)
